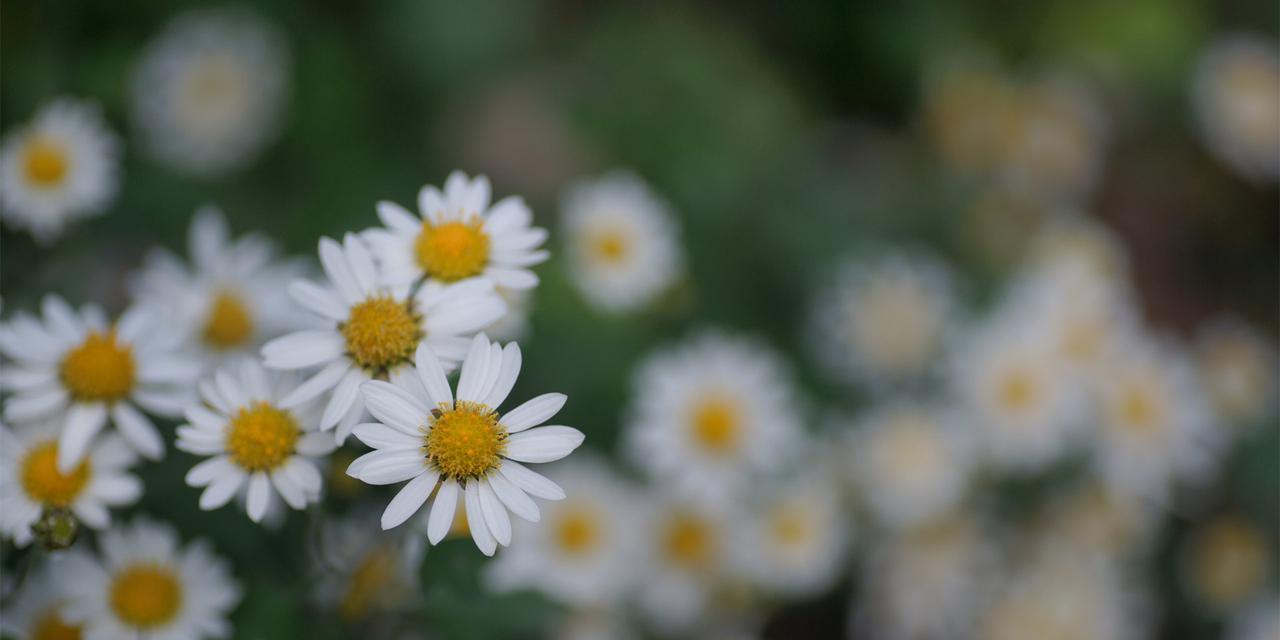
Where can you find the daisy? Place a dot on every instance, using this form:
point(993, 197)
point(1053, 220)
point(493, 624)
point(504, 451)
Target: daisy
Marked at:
point(623, 243)
point(685, 559)
point(87, 372)
point(373, 329)
point(581, 551)
point(1236, 97)
point(36, 612)
point(208, 92)
point(966, 102)
point(1071, 241)
point(227, 302)
point(1057, 141)
point(145, 585)
point(363, 571)
point(253, 440)
point(458, 235)
point(30, 482)
point(1227, 563)
point(710, 414)
point(63, 166)
point(465, 446)
point(1237, 366)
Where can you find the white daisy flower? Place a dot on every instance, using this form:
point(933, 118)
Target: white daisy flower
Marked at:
point(1261, 621)
point(36, 611)
point(1236, 97)
point(374, 329)
point(208, 92)
point(1057, 139)
point(145, 585)
point(1237, 366)
point(883, 321)
point(363, 571)
point(87, 372)
point(1227, 563)
point(623, 242)
point(227, 302)
point(30, 481)
point(253, 441)
point(581, 552)
point(458, 235)
point(686, 558)
point(967, 100)
point(63, 166)
point(710, 414)
point(466, 447)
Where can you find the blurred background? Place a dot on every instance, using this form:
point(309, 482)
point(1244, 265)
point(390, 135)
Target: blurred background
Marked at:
point(799, 149)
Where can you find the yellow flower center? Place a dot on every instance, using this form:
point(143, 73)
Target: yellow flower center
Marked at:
point(1018, 391)
point(381, 332)
point(609, 247)
point(369, 582)
point(100, 369)
point(453, 250)
point(51, 626)
point(45, 484)
point(229, 324)
point(1139, 410)
point(262, 437)
point(1230, 562)
point(687, 542)
point(146, 595)
point(466, 441)
point(716, 427)
point(577, 531)
point(789, 526)
point(45, 162)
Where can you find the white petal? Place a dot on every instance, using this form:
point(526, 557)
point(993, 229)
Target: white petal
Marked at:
point(305, 475)
point(334, 261)
point(432, 376)
point(344, 397)
point(531, 481)
point(475, 520)
point(516, 500)
point(544, 444)
point(409, 499)
point(138, 430)
point(318, 300)
point(491, 372)
point(380, 436)
point(317, 384)
point(397, 217)
point(83, 422)
point(495, 515)
point(509, 370)
point(259, 496)
point(288, 489)
point(388, 466)
point(303, 349)
point(394, 406)
point(516, 279)
point(205, 472)
point(442, 509)
point(32, 406)
point(533, 412)
point(474, 369)
point(221, 490)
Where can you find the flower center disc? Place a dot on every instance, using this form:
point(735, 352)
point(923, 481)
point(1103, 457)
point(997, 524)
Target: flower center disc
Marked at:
point(51, 626)
point(99, 369)
point(577, 533)
point(466, 442)
point(716, 426)
point(262, 437)
point(42, 481)
point(610, 247)
point(687, 542)
point(229, 324)
point(45, 162)
point(1017, 391)
point(381, 332)
point(146, 595)
point(453, 250)
point(789, 526)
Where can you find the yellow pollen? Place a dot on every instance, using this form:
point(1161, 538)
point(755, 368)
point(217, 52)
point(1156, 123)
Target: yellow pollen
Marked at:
point(100, 369)
point(453, 250)
point(145, 595)
point(1138, 410)
point(51, 626)
point(610, 247)
point(1230, 562)
point(577, 532)
point(466, 441)
point(716, 427)
point(1018, 391)
point(229, 324)
point(381, 332)
point(369, 582)
point(788, 526)
point(44, 484)
point(687, 542)
point(262, 437)
point(45, 162)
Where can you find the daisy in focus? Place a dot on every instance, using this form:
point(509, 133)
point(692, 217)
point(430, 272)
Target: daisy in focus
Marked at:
point(253, 441)
point(623, 242)
point(461, 447)
point(36, 611)
point(84, 372)
point(1237, 366)
point(208, 91)
point(145, 584)
point(373, 329)
point(61, 167)
point(362, 571)
point(1236, 97)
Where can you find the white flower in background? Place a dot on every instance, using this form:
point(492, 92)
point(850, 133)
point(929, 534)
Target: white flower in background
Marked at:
point(686, 556)
point(1072, 241)
point(1236, 96)
point(61, 167)
point(710, 414)
point(36, 611)
point(884, 321)
point(1237, 366)
point(1227, 563)
point(1093, 520)
point(581, 553)
point(30, 481)
point(146, 585)
point(253, 441)
point(87, 372)
point(227, 302)
point(362, 570)
point(1261, 621)
point(967, 100)
point(910, 462)
point(208, 92)
point(374, 329)
point(465, 446)
point(458, 235)
point(1056, 141)
point(622, 242)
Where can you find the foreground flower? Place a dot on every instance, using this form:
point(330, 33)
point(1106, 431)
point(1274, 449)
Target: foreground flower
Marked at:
point(145, 585)
point(464, 446)
point(61, 167)
point(253, 440)
point(1236, 95)
point(362, 571)
point(374, 329)
point(36, 612)
point(87, 372)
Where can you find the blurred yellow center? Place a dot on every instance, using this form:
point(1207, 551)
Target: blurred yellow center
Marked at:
point(716, 427)
point(45, 162)
point(51, 626)
point(577, 532)
point(687, 542)
point(610, 246)
point(45, 484)
point(789, 527)
point(369, 582)
point(1138, 410)
point(262, 437)
point(145, 595)
point(229, 324)
point(1018, 391)
point(453, 250)
point(1230, 562)
point(100, 369)
point(381, 332)
point(466, 441)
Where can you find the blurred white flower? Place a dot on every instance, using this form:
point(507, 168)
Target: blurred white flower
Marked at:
point(36, 612)
point(363, 571)
point(1072, 241)
point(685, 559)
point(1236, 95)
point(63, 166)
point(1227, 563)
point(967, 106)
point(1237, 366)
point(1057, 138)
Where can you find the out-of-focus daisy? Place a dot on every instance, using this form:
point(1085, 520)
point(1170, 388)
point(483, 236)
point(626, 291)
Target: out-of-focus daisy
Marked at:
point(1072, 241)
point(623, 243)
point(711, 413)
point(146, 585)
point(582, 551)
point(30, 481)
point(1227, 563)
point(999, 224)
point(1057, 139)
point(362, 571)
point(911, 463)
point(88, 372)
point(253, 441)
point(227, 302)
point(1092, 520)
point(883, 321)
point(458, 235)
point(61, 167)
point(1236, 95)
point(462, 448)
point(1261, 621)
point(208, 92)
point(966, 113)
point(36, 612)
point(1238, 368)
point(374, 329)
point(685, 559)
